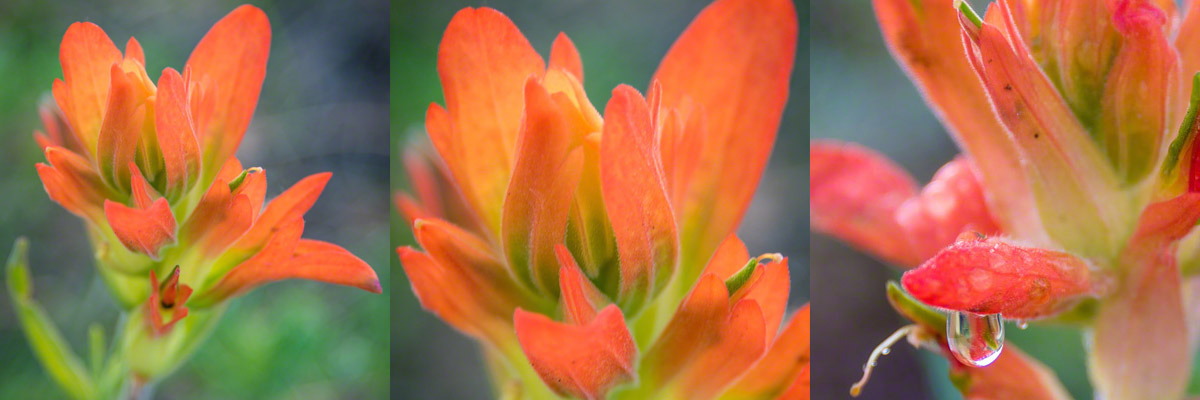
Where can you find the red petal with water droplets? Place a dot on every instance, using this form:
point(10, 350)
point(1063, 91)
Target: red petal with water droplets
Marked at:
point(995, 277)
point(583, 361)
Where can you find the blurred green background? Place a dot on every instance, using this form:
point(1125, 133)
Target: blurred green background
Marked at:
point(861, 95)
point(620, 41)
point(322, 108)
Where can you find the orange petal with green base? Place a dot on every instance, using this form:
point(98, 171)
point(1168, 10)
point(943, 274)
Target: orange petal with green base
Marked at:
point(471, 259)
point(635, 197)
point(176, 133)
point(483, 62)
point(142, 230)
point(232, 60)
point(583, 361)
point(991, 276)
point(734, 61)
point(70, 181)
point(87, 56)
point(222, 215)
point(540, 192)
point(311, 259)
point(786, 362)
point(923, 36)
point(121, 128)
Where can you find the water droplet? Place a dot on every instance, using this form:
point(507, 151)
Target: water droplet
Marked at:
point(885, 351)
point(1022, 325)
point(975, 339)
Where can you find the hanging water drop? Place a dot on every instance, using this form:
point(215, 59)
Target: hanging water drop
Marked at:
point(975, 339)
point(1022, 324)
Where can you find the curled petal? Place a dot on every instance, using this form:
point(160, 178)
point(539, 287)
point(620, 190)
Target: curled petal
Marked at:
point(232, 60)
point(176, 134)
point(995, 277)
point(540, 192)
point(121, 128)
point(483, 62)
point(734, 61)
point(636, 199)
point(144, 230)
point(583, 361)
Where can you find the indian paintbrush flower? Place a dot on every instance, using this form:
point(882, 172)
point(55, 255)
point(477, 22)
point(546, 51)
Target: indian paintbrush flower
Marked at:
point(592, 255)
point(1076, 189)
point(150, 167)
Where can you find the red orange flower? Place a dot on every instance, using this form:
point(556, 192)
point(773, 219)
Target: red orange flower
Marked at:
point(578, 237)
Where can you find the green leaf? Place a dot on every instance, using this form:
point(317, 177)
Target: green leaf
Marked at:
point(739, 278)
point(913, 309)
point(47, 343)
point(1186, 130)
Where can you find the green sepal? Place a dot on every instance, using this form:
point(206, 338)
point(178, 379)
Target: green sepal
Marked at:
point(740, 277)
point(1170, 164)
point(914, 310)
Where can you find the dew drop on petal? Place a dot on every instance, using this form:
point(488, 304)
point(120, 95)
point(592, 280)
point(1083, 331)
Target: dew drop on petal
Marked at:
point(975, 339)
point(885, 351)
point(1022, 325)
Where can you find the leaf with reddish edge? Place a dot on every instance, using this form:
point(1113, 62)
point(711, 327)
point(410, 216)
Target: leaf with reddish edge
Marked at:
point(87, 56)
point(144, 230)
point(635, 198)
point(580, 298)
point(483, 61)
point(734, 61)
point(991, 276)
point(923, 38)
point(785, 363)
point(231, 60)
point(583, 361)
point(540, 192)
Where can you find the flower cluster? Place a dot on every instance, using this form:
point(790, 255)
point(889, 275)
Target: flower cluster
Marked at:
point(150, 168)
point(593, 255)
point(1076, 189)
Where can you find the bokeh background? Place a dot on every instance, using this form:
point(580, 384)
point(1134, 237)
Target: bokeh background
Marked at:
point(860, 94)
point(620, 41)
point(323, 108)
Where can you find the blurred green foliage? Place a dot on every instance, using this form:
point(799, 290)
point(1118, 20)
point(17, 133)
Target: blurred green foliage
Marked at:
point(620, 41)
point(322, 108)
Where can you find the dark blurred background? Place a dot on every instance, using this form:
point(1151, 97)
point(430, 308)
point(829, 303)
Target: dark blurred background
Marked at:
point(620, 41)
point(861, 95)
point(323, 108)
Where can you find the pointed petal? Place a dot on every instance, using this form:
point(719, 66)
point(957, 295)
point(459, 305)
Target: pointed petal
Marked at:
point(923, 37)
point(1071, 180)
point(86, 54)
point(289, 205)
point(583, 361)
point(580, 298)
point(1014, 375)
point(274, 256)
point(483, 62)
point(142, 230)
point(782, 365)
point(564, 55)
point(133, 50)
point(729, 353)
point(991, 276)
point(176, 134)
point(730, 257)
point(220, 218)
point(854, 193)
point(313, 260)
point(232, 60)
point(636, 199)
point(541, 191)
point(734, 61)
point(768, 287)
